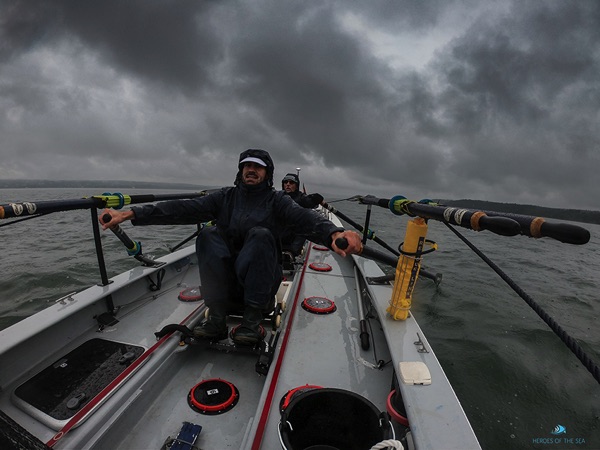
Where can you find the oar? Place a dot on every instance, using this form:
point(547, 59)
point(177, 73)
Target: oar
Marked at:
point(133, 248)
point(374, 254)
point(370, 233)
point(537, 227)
point(384, 258)
point(496, 222)
point(117, 200)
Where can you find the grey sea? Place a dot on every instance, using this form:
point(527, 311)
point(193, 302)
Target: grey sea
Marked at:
point(519, 384)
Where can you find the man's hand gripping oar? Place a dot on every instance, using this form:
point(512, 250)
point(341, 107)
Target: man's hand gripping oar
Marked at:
point(110, 219)
point(353, 240)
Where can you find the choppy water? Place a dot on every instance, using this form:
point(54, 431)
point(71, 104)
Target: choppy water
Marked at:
point(515, 378)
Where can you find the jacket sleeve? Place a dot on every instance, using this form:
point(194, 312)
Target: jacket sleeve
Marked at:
point(305, 221)
point(310, 200)
point(179, 212)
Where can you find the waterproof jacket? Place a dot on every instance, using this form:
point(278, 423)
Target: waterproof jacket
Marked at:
point(304, 200)
point(237, 210)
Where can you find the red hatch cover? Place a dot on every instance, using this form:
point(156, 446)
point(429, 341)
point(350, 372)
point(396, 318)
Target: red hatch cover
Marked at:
point(395, 414)
point(190, 294)
point(319, 305)
point(320, 267)
point(213, 396)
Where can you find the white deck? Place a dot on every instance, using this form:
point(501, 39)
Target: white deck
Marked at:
point(312, 349)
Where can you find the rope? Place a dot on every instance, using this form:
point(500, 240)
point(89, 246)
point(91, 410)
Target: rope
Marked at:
point(12, 222)
point(354, 198)
point(562, 334)
point(388, 443)
point(379, 363)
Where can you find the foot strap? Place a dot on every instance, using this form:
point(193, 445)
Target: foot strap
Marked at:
point(185, 331)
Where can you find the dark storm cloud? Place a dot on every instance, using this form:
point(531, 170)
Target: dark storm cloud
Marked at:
point(298, 73)
point(171, 43)
point(520, 97)
point(307, 75)
point(441, 98)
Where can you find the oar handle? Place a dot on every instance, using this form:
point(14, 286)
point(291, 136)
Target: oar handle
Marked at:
point(369, 252)
point(133, 248)
point(538, 227)
point(565, 232)
point(360, 228)
point(342, 243)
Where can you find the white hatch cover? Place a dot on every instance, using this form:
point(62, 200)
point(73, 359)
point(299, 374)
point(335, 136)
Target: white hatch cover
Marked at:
point(414, 372)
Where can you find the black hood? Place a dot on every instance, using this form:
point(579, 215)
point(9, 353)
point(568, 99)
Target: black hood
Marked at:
point(264, 157)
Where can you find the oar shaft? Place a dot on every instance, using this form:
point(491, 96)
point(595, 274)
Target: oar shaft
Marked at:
point(505, 224)
point(10, 210)
point(473, 220)
point(384, 258)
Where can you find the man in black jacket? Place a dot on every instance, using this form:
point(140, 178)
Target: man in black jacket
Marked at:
point(291, 185)
point(291, 242)
point(241, 254)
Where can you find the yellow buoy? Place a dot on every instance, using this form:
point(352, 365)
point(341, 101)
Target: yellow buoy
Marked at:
point(407, 270)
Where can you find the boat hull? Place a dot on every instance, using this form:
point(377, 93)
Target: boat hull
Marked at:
point(318, 347)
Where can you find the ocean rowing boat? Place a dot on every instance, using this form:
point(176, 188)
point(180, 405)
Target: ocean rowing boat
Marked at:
point(116, 367)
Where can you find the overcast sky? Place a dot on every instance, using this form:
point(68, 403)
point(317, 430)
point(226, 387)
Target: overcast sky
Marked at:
point(491, 100)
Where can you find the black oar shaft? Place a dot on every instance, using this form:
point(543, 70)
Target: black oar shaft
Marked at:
point(473, 220)
point(505, 224)
point(384, 258)
point(10, 210)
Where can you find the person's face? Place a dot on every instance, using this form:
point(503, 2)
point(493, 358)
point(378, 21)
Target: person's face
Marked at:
point(253, 173)
point(289, 186)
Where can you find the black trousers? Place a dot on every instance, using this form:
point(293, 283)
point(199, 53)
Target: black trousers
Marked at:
point(251, 277)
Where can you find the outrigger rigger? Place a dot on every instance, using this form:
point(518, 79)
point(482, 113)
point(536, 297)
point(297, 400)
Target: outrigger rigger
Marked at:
point(105, 368)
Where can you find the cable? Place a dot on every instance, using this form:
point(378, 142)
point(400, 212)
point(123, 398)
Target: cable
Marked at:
point(562, 334)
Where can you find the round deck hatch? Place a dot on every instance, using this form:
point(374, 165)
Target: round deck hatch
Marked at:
point(320, 267)
point(213, 396)
point(319, 305)
point(321, 248)
point(330, 418)
point(191, 294)
point(396, 413)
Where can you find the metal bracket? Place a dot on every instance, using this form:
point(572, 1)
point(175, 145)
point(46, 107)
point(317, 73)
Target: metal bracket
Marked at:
point(420, 343)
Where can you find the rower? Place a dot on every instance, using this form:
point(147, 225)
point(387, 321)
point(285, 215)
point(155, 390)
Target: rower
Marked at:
point(241, 253)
